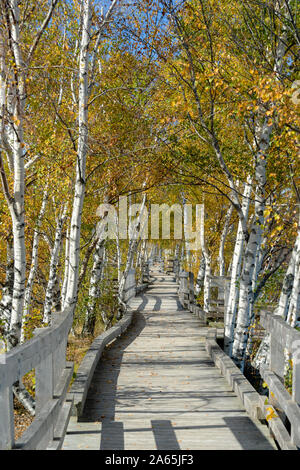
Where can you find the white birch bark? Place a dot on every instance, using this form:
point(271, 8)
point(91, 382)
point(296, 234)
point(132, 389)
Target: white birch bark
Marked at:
point(200, 275)
point(34, 263)
point(15, 148)
point(294, 306)
point(75, 225)
point(132, 246)
point(85, 88)
point(94, 290)
point(186, 231)
point(252, 248)
point(7, 291)
point(288, 283)
point(17, 208)
point(55, 252)
point(283, 308)
point(231, 309)
point(221, 257)
point(182, 255)
point(118, 248)
point(66, 269)
point(254, 244)
point(207, 257)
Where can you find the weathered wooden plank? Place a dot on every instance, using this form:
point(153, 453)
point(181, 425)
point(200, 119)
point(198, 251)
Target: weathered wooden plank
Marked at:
point(27, 356)
point(36, 436)
point(6, 418)
point(87, 367)
point(156, 387)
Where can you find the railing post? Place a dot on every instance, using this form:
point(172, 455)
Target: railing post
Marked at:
point(44, 386)
point(59, 355)
point(130, 285)
point(176, 269)
point(191, 289)
point(277, 357)
point(7, 429)
point(226, 296)
point(146, 272)
point(183, 288)
point(170, 265)
point(277, 365)
point(296, 376)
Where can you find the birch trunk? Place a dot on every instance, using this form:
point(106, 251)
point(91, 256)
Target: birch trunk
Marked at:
point(200, 275)
point(132, 247)
point(50, 291)
point(288, 283)
point(34, 263)
point(231, 310)
point(118, 248)
point(75, 226)
point(66, 269)
point(7, 291)
point(16, 202)
point(207, 257)
point(294, 307)
point(263, 353)
point(186, 232)
point(181, 258)
point(94, 291)
point(223, 240)
point(253, 249)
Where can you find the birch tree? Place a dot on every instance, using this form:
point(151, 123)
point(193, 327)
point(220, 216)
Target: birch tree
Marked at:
point(207, 257)
point(86, 82)
point(232, 303)
point(224, 234)
point(34, 263)
point(54, 260)
point(13, 99)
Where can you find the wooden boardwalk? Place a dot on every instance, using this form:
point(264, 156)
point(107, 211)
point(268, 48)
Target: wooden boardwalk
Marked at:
point(156, 388)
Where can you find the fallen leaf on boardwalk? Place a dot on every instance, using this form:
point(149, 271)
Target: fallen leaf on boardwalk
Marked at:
point(271, 414)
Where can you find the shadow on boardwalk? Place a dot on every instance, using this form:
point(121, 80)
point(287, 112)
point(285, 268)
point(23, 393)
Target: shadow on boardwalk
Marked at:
point(105, 379)
point(156, 388)
point(105, 395)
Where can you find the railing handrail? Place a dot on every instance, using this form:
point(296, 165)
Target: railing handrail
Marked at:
point(286, 335)
point(23, 358)
point(46, 353)
point(283, 338)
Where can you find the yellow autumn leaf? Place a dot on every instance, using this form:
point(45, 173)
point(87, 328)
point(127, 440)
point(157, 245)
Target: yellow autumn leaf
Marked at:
point(271, 414)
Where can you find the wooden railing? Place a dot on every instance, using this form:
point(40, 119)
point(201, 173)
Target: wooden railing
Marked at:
point(282, 409)
point(46, 354)
point(130, 286)
point(186, 293)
